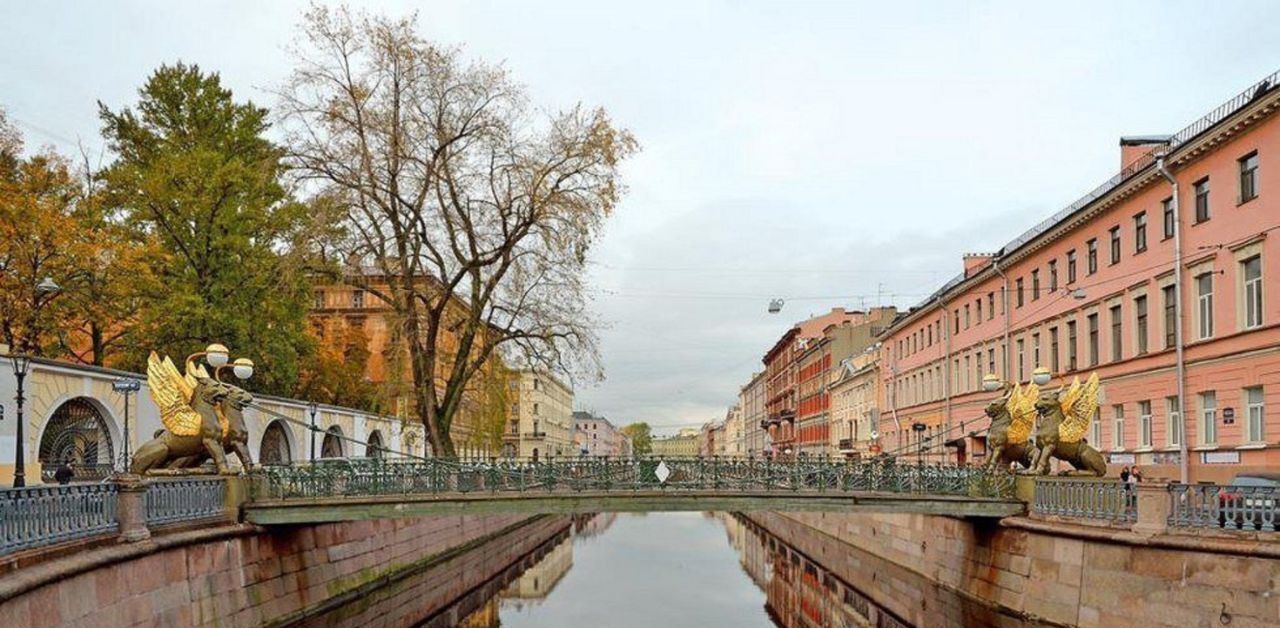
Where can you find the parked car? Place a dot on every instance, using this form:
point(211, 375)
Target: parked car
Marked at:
point(1249, 501)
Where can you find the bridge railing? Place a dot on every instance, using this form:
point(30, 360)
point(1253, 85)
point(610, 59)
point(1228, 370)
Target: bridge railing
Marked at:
point(44, 515)
point(372, 477)
point(1225, 507)
point(1095, 499)
point(185, 500)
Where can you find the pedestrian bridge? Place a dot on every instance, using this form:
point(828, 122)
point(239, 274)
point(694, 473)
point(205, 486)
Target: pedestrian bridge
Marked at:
point(347, 490)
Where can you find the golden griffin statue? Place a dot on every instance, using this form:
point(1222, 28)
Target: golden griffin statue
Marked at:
point(202, 415)
point(1065, 416)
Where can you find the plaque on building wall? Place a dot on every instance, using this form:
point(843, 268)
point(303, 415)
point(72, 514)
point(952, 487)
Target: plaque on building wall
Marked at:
point(1228, 416)
point(1121, 459)
point(1220, 457)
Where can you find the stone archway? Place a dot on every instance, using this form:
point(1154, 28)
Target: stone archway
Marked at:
point(331, 446)
point(275, 447)
point(375, 448)
point(77, 433)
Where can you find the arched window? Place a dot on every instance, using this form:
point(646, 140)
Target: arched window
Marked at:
point(275, 444)
point(375, 448)
point(331, 447)
point(77, 434)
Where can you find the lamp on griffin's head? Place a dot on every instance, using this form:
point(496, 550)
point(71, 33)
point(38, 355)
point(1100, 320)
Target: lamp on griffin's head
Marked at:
point(1041, 376)
point(991, 382)
point(243, 368)
point(216, 355)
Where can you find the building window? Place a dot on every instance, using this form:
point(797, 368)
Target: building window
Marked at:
point(1053, 275)
point(979, 307)
point(1251, 271)
point(1254, 411)
point(1249, 177)
point(1035, 284)
point(991, 305)
point(1117, 334)
point(357, 298)
point(1018, 286)
point(1170, 316)
point(1174, 410)
point(1053, 349)
point(1035, 350)
point(1093, 339)
point(1204, 304)
point(1140, 316)
point(1095, 435)
point(1140, 233)
point(1071, 345)
point(991, 360)
point(1117, 426)
point(1071, 266)
point(1091, 256)
point(1144, 424)
point(1115, 245)
point(1209, 418)
point(319, 300)
point(955, 318)
point(1202, 199)
point(966, 316)
point(1021, 360)
point(1166, 210)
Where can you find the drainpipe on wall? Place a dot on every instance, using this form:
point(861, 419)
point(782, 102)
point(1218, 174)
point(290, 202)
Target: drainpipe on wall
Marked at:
point(1004, 304)
point(1181, 368)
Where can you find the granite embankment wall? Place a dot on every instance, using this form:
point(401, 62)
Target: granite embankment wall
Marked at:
point(1056, 572)
point(239, 575)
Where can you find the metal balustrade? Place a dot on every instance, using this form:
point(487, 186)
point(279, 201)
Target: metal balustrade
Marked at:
point(371, 477)
point(44, 515)
point(1104, 500)
point(1226, 507)
point(187, 499)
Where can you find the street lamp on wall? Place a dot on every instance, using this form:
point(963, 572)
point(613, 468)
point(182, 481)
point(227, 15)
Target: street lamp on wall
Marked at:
point(1041, 376)
point(312, 407)
point(20, 365)
point(126, 386)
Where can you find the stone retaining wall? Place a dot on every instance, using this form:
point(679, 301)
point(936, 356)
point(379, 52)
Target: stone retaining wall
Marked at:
point(1057, 573)
point(249, 579)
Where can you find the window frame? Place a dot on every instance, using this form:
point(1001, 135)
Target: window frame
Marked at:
point(1248, 191)
point(1166, 207)
point(1253, 295)
point(1204, 305)
point(1091, 256)
point(1116, 245)
point(1117, 427)
point(1250, 406)
point(1144, 424)
point(1200, 191)
point(1140, 233)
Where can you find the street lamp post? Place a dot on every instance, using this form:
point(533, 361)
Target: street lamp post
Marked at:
point(313, 408)
point(20, 365)
point(126, 386)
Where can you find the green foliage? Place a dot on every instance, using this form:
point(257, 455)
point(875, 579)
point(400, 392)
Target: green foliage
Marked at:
point(195, 176)
point(641, 436)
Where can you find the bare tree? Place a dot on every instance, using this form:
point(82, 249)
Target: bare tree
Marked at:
point(476, 210)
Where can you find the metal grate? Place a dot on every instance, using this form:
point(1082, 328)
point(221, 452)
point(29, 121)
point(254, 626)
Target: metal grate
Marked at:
point(1227, 507)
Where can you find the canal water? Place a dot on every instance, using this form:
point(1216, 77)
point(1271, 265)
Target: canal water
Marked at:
point(667, 570)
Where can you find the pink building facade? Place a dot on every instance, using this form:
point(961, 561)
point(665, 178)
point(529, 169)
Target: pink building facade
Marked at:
point(1093, 288)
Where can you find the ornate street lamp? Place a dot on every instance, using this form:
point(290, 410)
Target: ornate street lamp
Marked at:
point(20, 365)
point(126, 386)
point(312, 407)
point(1041, 376)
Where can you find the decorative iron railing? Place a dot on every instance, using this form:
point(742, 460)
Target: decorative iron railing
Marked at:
point(187, 499)
point(1106, 500)
point(1229, 507)
point(368, 477)
point(44, 515)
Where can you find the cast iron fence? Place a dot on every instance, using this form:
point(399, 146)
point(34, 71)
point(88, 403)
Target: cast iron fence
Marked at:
point(1218, 506)
point(187, 499)
point(372, 477)
point(44, 515)
point(1106, 500)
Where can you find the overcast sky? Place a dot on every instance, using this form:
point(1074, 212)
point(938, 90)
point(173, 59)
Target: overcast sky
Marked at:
point(831, 154)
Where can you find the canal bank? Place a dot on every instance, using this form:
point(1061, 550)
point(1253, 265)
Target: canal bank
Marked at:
point(1044, 571)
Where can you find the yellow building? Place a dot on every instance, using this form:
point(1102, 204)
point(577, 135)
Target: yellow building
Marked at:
point(540, 423)
point(687, 442)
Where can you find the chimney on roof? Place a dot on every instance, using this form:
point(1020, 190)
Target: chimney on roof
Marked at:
point(1134, 147)
point(975, 262)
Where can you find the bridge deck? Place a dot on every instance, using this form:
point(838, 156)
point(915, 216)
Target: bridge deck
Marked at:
point(332, 509)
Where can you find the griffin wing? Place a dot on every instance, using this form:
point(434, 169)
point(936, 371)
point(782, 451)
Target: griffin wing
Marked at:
point(1022, 411)
point(172, 395)
point(1078, 416)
